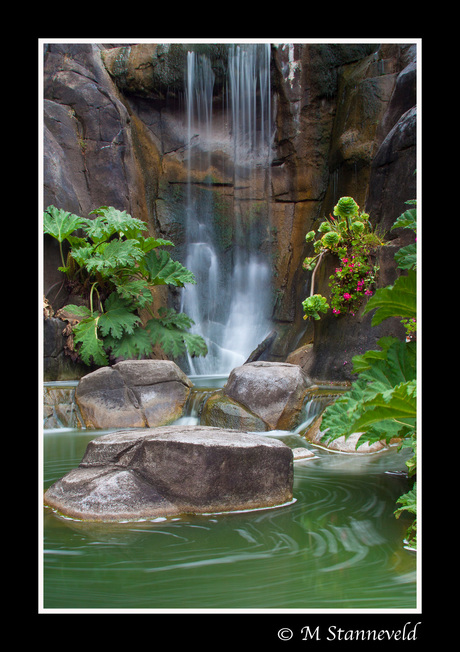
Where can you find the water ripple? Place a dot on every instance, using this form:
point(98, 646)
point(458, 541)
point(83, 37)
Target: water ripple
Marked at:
point(338, 545)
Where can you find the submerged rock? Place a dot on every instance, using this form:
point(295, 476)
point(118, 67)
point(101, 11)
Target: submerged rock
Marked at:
point(143, 474)
point(133, 393)
point(351, 444)
point(301, 453)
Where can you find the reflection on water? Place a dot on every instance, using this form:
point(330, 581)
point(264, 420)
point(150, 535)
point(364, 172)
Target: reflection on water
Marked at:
point(337, 547)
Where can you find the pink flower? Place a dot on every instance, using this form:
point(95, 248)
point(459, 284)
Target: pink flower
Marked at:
point(347, 296)
point(335, 311)
point(368, 292)
point(344, 260)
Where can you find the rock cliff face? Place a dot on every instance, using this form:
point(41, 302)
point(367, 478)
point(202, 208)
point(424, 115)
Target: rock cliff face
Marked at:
point(344, 115)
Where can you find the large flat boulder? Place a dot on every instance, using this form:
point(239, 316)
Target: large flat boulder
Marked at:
point(133, 394)
point(146, 473)
point(273, 391)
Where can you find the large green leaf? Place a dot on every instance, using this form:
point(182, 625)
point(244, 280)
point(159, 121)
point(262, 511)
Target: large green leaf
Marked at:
point(61, 224)
point(117, 318)
point(146, 244)
point(367, 359)
point(380, 372)
point(397, 300)
point(398, 405)
point(406, 257)
point(74, 312)
point(173, 338)
point(161, 269)
point(109, 221)
point(172, 319)
point(91, 346)
point(82, 254)
point(110, 256)
point(133, 289)
point(408, 502)
point(398, 366)
point(131, 345)
point(408, 220)
point(195, 344)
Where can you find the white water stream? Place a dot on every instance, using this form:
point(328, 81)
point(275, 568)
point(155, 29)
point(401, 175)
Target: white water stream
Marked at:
point(231, 303)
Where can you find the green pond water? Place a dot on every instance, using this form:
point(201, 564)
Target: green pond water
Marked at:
point(337, 547)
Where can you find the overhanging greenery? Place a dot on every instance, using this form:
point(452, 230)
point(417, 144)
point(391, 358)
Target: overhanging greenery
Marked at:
point(382, 403)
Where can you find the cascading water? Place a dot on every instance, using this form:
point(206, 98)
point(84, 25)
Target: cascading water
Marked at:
point(231, 302)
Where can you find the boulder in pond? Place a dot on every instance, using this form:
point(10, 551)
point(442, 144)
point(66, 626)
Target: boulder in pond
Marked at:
point(273, 391)
point(147, 473)
point(133, 394)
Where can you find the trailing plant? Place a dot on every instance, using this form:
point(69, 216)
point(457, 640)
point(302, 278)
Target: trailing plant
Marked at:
point(382, 403)
point(113, 266)
point(349, 235)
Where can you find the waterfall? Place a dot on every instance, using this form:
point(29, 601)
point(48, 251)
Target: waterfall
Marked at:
point(231, 302)
point(316, 401)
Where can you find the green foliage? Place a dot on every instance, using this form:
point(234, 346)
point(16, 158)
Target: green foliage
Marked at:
point(346, 208)
point(165, 330)
point(114, 267)
point(61, 224)
point(160, 269)
point(382, 403)
point(406, 257)
point(408, 502)
point(313, 305)
point(397, 300)
point(349, 235)
point(400, 299)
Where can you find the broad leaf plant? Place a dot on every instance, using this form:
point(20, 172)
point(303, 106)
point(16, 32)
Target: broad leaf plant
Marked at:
point(114, 267)
point(381, 404)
